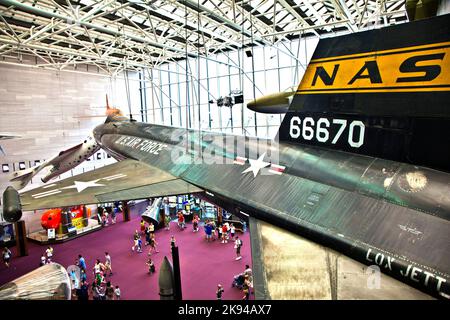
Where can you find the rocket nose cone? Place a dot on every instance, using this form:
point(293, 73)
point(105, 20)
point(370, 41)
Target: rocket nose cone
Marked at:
point(165, 274)
point(252, 104)
point(166, 281)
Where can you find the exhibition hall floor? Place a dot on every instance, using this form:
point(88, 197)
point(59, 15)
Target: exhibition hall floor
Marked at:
point(203, 265)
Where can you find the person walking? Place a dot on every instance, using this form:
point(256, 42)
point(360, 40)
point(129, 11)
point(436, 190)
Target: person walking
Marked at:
point(181, 222)
point(83, 291)
point(43, 260)
point(219, 292)
point(151, 266)
point(172, 242)
point(219, 233)
point(232, 231)
point(82, 262)
point(195, 223)
point(147, 236)
point(167, 222)
point(237, 246)
point(246, 288)
point(139, 245)
point(142, 227)
point(6, 256)
point(109, 291)
point(98, 267)
point(136, 237)
point(224, 233)
point(83, 276)
point(151, 228)
point(108, 264)
point(117, 293)
point(248, 271)
point(97, 292)
point(153, 244)
point(49, 254)
point(208, 232)
point(114, 214)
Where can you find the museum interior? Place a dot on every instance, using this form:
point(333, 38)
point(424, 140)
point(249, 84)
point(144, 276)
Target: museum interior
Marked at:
point(225, 150)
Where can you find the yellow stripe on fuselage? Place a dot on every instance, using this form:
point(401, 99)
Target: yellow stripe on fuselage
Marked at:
point(380, 71)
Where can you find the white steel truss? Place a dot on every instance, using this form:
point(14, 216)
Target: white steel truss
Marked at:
point(114, 35)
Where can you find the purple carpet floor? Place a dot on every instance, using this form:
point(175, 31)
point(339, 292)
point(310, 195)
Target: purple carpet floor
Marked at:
point(203, 264)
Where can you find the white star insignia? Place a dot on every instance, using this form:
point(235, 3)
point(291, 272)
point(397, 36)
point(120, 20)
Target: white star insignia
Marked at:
point(81, 185)
point(256, 165)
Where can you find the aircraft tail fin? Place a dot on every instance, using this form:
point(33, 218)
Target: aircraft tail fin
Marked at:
point(383, 93)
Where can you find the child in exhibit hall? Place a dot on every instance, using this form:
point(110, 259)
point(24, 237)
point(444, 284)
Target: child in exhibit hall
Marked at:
point(43, 260)
point(195, 223)
point(49, 254)
point(117, 293)
point(153, 244)
point(6, 256)
point(151, 266)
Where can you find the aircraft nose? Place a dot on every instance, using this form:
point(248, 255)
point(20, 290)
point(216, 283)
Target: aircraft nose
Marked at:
point(252, 104)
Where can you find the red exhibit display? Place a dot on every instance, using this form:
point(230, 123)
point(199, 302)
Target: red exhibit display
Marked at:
point(51, 219)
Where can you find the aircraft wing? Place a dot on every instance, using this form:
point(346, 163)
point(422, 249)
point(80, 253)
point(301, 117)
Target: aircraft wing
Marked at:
point(352, 220)
point(125, 180)
point(301, 269)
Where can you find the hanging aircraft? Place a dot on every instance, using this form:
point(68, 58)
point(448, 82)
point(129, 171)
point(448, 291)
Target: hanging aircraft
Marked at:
point(65, 160)
point(6, 136)
point(361, 163)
